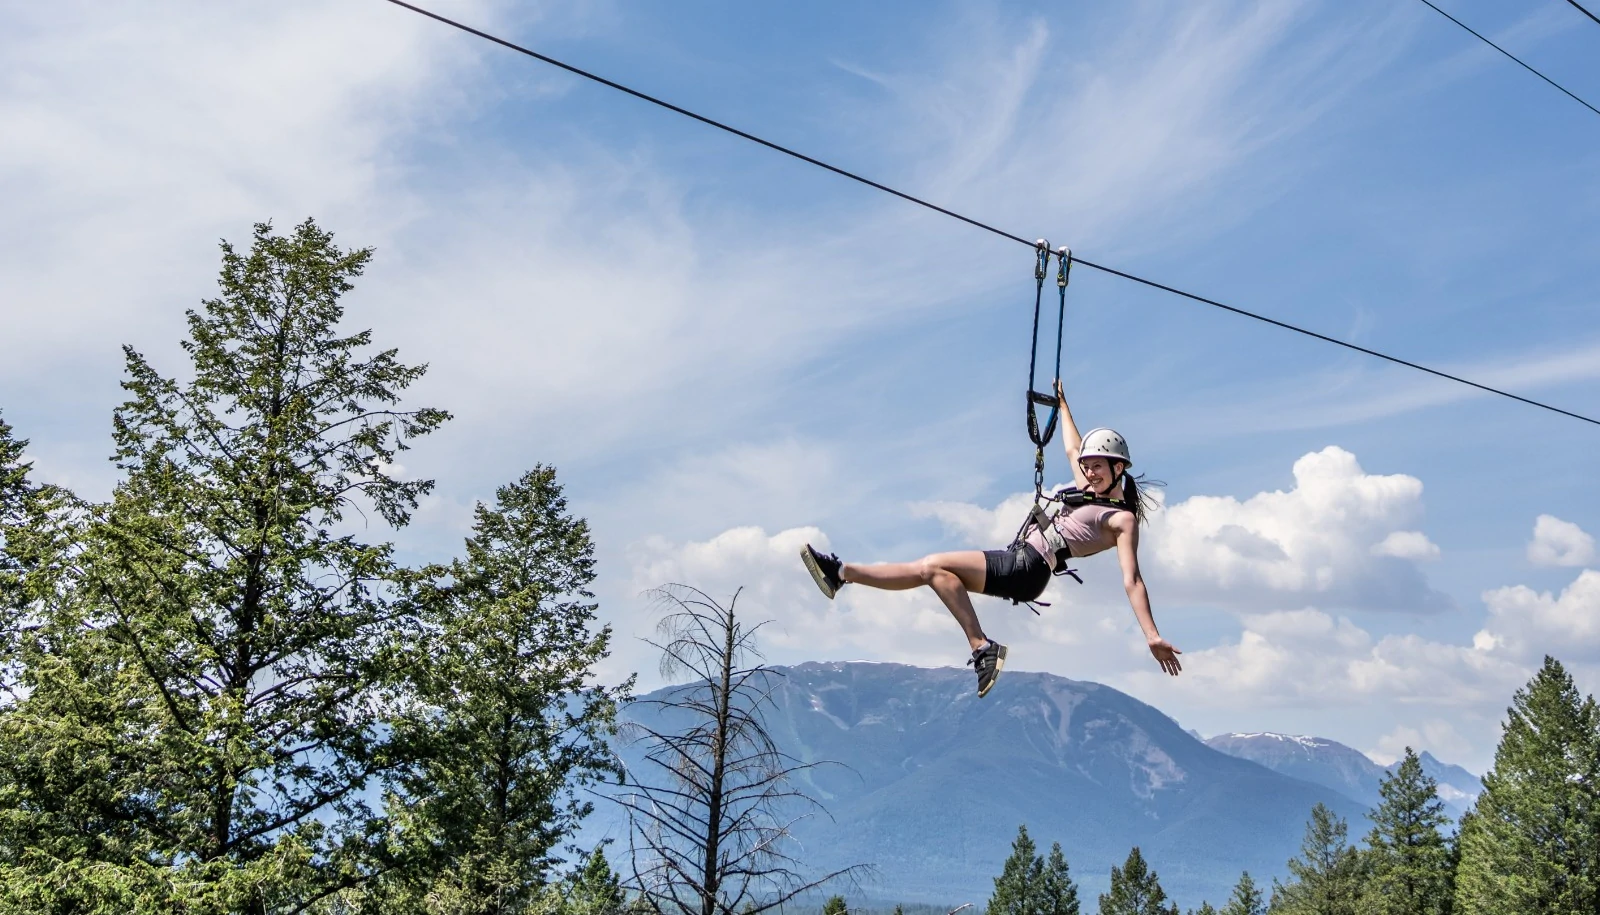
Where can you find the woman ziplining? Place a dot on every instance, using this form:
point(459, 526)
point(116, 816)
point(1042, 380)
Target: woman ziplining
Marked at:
point(1102, 510)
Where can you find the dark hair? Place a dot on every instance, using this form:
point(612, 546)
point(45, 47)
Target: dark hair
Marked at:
point(1141, 502)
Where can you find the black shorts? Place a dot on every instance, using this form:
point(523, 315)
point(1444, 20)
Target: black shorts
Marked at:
point(1018, 573)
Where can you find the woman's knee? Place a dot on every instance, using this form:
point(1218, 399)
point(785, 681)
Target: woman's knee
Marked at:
point(930, 569)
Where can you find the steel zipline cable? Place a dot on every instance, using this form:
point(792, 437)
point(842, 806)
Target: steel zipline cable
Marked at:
point(1585, 11)
point(1514, 57)
point(844, 173)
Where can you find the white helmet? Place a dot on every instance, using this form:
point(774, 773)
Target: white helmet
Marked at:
point(1105, 443)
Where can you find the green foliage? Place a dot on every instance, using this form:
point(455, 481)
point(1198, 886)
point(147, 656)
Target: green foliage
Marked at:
point(1135, 890)
point(1205, 909)
point(201, 714)
point(1030, 885)
point(594, 889)
point(1532, 842)
point(16, 500)
point(204, 680)
point(505, 728)
point(1326, 878)
point(1246, 899)
point(1058, 895)
point(1407, 861)
point(1016, 890)
point(835, 906)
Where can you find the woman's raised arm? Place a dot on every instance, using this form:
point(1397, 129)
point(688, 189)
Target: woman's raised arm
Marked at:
point(1071, 439)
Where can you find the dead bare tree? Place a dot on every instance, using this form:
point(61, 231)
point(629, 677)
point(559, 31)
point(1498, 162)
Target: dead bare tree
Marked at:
point(711, 812)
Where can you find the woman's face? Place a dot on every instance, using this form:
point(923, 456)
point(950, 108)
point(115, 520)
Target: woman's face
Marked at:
point(1099, 473)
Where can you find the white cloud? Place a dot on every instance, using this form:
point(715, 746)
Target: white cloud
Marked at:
point(766, 570)
point(1313, 660)
point(1413, 545)
point(1559, 543)
point(1338, 539)
point(1528, 623)
point(134, 139)
point(1436, 735)
point(990, 527)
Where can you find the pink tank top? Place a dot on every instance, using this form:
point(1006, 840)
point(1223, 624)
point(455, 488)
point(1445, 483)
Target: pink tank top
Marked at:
point(1084, 529)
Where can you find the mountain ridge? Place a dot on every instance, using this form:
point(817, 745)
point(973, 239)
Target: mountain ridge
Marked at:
point(934, 782)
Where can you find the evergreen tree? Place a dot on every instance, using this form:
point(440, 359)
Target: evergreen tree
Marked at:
point(505, 728)
point(1246, 898)
point(1205, 909)
point(835, 906)
point(1532, 843)
point(1326, 878)
point(1017, 889)
point(1136, 890)
point(595, 890)
point(204, 710)
point(1408, 862)
point(16, 500)
point(1058, 895)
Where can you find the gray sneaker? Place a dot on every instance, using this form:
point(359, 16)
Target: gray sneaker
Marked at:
point(988, 661)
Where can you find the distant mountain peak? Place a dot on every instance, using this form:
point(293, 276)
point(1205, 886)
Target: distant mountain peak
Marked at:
point(1346, 770)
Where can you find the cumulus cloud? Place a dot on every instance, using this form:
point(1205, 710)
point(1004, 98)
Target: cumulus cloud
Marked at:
point(1413, 545)
point(1311, 659)
point(1559, 543)
point(1340, 538)
point(772, 584)
point(1528, 623)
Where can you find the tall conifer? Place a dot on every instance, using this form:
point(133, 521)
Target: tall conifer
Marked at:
point(1017, 891)
point(1326, 877)
point(203, 712)
point(1408, 862)
point(1246, 899)
point(1136, 890)
point(505, 728)
point(1532, 843)
point(1058, 895)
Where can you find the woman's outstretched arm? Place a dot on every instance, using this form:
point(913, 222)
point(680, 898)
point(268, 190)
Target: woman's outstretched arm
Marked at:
point(1126, 525)
point(1070, 437)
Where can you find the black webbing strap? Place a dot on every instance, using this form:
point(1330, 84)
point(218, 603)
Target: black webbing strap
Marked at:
point(1041, 436)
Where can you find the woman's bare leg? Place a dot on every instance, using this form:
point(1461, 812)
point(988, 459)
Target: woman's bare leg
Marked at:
point(950, 575)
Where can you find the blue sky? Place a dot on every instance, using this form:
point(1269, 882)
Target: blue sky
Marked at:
point(727, 353)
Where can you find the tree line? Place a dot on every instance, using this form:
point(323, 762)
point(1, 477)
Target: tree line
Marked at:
point(1530, 844)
